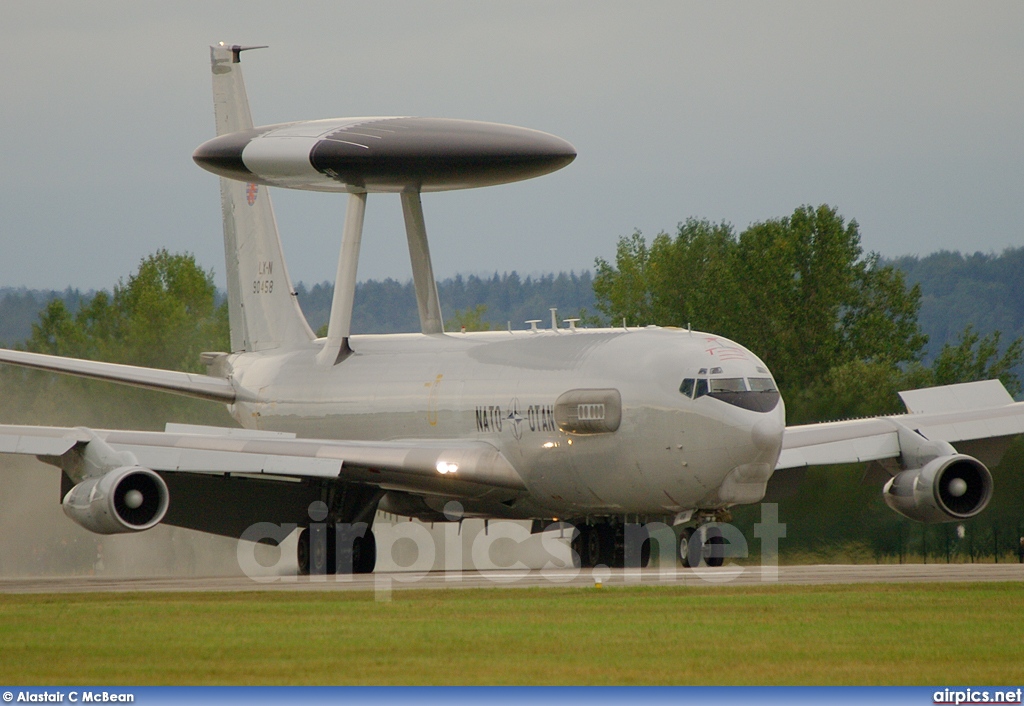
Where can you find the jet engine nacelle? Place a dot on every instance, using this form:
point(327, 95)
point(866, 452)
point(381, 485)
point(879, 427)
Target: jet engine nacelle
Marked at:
point(947, 489)
point(127, 499)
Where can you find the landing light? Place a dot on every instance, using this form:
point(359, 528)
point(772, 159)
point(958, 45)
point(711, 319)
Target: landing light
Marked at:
point(444, 467)
point(549, 445)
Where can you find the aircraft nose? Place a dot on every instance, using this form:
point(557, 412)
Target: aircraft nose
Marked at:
point(223, 156)
point(766, 434)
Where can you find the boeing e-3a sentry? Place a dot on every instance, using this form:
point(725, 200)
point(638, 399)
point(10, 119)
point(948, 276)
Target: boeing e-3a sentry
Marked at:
point(601, 428)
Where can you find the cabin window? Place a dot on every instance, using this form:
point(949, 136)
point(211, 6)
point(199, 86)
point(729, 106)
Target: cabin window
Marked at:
point(687, 387)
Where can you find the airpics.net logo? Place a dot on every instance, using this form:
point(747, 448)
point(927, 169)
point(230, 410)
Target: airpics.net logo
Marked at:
point(442, 554)
point(962, 696)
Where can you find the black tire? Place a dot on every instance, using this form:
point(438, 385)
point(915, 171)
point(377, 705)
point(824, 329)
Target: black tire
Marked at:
point(591, 555)
point(364, 553)
point(685, 538)
point(577, 542)
point(605, 545)
point(316, 551)
point(302, 552)
point(714, 547)
point(587, 545)
point(627, 535)
point(645, 553)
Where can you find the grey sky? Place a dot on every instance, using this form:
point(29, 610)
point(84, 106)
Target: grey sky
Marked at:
point(907, 116)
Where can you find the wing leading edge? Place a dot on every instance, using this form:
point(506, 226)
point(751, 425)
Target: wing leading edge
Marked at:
point(461, 468)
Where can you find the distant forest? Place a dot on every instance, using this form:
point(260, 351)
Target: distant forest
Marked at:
point(986, 290)
point(385, 306)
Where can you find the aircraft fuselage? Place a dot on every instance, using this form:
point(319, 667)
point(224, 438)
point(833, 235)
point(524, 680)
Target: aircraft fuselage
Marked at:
point(668, 452)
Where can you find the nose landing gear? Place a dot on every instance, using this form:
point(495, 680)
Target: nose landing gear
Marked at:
point(704, 543)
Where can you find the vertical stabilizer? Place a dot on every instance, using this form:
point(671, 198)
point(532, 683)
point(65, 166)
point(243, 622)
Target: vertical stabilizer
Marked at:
point(263, 309)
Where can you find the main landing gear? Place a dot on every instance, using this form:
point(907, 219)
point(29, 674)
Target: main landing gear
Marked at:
point(618, 545)
point(336, 549)
point(338, 537)
point(615, 545)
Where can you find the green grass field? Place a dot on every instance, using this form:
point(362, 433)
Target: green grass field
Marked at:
point(860, 634)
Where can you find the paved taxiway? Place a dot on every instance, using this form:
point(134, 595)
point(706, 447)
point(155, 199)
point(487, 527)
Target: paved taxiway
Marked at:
point(387, 581)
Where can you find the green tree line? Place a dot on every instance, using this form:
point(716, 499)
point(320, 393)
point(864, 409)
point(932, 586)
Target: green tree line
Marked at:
point(838, 328)
point(163, 316)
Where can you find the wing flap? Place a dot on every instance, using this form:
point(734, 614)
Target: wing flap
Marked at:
point(206, 461)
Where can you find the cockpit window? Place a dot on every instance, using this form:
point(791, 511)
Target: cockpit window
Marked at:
point(758, 394)
point(762, 385)
point(727, 385)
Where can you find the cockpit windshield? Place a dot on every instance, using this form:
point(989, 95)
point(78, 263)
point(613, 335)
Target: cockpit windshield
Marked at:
point(762, 385)
point(727, 385)
point(758, 394)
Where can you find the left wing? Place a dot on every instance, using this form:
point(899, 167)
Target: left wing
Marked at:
point(926, 478)
point(970, 412)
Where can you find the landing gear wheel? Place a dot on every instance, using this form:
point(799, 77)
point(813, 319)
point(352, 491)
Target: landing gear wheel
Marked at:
point(645, 553)
point(364, 553)
point(302, 552)
point(606, 545)
point(589, 545)
point(704, 545)
point(714, 547)
point(316, 551)
point(685, 537)
point(591, 554)
point(576, 544)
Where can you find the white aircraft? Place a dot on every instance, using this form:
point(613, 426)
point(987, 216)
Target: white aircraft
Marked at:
point(597, 427)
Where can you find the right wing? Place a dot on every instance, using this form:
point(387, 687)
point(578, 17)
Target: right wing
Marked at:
point(191, 384)
point(224, 480)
